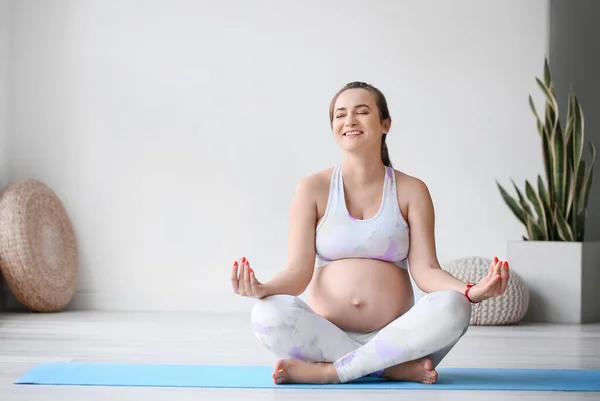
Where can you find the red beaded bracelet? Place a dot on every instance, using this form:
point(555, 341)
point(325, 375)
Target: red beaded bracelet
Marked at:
point(469, 285)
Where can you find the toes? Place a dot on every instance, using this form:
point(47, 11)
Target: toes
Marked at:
point(432, 376)
point(430, 373)
point(279, 377)
point(279, 374)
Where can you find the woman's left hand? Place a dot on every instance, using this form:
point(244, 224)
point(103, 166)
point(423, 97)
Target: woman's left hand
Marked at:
point(493, 284)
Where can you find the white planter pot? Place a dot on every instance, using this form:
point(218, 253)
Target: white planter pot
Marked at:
point(563, 279)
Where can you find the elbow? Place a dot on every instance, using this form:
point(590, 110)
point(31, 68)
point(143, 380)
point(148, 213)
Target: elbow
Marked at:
point(301, 286)
point(421, 285)
point(302, 281)
point(296, 292)
point(421, 277)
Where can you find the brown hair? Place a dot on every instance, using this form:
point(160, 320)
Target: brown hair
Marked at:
point(384, 112)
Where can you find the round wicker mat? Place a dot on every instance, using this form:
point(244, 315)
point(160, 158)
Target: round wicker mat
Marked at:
point(38, 248)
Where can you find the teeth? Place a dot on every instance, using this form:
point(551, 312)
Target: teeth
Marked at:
point(353, 133)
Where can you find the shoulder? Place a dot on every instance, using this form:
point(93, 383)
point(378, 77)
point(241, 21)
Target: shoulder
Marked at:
point(412, 186)
point(415, 193)
point(314, 185)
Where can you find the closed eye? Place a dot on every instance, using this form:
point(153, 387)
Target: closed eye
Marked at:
point(344, 115)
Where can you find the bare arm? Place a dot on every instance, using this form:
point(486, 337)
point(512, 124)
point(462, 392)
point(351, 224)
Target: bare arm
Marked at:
point(424, 266)
point(298, 271)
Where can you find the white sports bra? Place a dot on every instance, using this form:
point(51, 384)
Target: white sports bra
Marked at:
point(385, 236)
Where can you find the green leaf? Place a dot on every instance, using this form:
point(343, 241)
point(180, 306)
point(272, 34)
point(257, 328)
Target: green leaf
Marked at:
point(534, 231)
point(589, 178)
point(577, 132)
point(547, 74)
point(522, 201)
point(570, 116)
point(537, 203)
point(570, 195)
point(564, 231)
point(547, 153)
point(559, 169)
point(543, 192)
point(581, 216)
point(578, 197)
point(569, 139)
point(571, 176)
point(545, 197)
point(540, 126)
point(512, 203)
point(532, 106)
point(552, 105)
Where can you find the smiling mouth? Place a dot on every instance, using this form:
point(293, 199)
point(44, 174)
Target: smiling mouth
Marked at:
point(353, 133)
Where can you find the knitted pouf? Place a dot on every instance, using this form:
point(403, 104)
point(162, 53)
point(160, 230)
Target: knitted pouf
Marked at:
point(507, 308)
point(38, 250)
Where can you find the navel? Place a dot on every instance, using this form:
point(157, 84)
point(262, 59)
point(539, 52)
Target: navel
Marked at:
point(357, 302)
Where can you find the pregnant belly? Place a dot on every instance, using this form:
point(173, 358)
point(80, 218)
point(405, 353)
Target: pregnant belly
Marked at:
point(360, 295)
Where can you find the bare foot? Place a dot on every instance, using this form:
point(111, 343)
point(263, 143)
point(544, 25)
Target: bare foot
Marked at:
point(419, 370)
point(296, 371)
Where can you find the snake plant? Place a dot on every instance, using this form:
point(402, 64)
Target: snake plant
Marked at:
point(557, 210)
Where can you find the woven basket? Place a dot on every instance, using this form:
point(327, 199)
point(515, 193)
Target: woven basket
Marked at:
point(38, 250)
point(508, 308)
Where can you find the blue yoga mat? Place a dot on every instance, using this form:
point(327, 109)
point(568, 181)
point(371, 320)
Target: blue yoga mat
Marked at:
point(117, 374)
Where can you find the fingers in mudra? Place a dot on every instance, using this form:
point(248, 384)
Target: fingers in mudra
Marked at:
point(243, 280)
point(235, 283)
point(492, 268)
point(238, 277)
point(497, 278)
point(505, 276)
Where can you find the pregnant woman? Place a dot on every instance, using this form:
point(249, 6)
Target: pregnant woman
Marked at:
point(355, 230)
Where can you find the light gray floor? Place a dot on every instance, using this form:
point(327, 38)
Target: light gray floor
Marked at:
point(26, 339)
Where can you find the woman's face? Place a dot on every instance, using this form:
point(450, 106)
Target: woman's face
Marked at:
point(356, 121)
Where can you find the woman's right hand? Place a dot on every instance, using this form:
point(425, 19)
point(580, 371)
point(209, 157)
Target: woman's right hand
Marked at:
point(244, 281)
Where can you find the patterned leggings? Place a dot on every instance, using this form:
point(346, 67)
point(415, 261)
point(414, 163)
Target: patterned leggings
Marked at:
point(288, 327)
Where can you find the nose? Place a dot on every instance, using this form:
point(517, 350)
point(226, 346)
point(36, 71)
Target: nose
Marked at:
point(350, 120)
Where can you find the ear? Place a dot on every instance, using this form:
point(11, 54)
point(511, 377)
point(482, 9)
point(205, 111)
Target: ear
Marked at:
point(387, 124)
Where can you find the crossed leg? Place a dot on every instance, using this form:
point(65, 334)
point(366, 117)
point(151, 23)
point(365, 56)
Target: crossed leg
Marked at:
point(408, 348)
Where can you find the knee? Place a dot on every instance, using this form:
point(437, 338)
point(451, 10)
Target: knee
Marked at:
point(460, 306)
point(271, 312)
point(454, 305)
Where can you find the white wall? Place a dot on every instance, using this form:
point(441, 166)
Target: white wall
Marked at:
point(175, 132)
